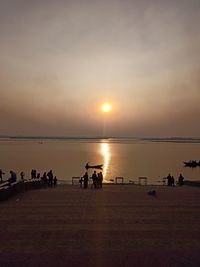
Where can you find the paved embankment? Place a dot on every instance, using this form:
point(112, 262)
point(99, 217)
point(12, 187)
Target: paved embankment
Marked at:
point(116, 226)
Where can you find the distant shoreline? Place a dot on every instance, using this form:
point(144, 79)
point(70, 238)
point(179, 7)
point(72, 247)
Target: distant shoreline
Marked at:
point(173, 140)
point(109, 139)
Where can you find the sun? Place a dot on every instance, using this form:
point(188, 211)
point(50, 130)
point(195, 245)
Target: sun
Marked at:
point(106, 107)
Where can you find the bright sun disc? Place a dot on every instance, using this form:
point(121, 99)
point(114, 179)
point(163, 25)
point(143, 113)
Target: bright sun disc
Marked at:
point(106, 107)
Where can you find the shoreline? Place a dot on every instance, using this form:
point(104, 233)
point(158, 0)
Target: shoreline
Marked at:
point(9, 190)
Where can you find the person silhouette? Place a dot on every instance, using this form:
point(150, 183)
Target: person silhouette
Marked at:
point(94, 179)
point(85, 180)
point(55, 181)
point(100, 179)
point(13, 177)
point(180, 179)
point(169, 180)
point(50, 175)
point(1, 175)
point(44, 178)
point(172, 180)
point(22, 174)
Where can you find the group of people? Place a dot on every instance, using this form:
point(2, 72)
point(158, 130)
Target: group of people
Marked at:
point(34, 174)
point(97, 180)
point(171, 180)
point(47, 178)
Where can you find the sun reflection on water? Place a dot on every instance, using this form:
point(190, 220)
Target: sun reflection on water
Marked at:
point(105, 152)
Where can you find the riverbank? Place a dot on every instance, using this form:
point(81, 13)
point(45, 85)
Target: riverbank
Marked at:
point(118, 226)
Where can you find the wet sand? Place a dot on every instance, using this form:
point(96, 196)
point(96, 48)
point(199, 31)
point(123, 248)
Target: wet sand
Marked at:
point(120, 225)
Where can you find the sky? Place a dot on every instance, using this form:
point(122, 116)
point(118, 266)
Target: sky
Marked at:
point(60, 60)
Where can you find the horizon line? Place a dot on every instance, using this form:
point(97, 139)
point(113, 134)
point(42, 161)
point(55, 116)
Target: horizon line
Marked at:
point(99, 137)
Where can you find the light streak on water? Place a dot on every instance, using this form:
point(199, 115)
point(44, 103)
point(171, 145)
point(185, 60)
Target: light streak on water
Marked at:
point(105, 152)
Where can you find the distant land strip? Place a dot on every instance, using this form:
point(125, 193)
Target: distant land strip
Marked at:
point(108, 138)
point(173, 140)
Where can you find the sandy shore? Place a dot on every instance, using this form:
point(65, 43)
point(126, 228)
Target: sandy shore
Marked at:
point(116, 226)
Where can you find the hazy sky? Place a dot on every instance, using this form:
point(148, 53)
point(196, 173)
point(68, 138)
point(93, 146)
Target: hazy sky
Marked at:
point(61, 59)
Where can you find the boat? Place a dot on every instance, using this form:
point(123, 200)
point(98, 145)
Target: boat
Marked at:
point(87, 166)
point(192, 163)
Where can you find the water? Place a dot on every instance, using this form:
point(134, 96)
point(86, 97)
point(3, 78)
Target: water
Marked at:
point(129, 158)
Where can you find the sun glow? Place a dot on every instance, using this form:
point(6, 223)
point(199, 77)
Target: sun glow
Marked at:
point(106, 107)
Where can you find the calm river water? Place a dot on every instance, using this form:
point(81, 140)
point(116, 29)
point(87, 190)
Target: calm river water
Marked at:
point(121, 157)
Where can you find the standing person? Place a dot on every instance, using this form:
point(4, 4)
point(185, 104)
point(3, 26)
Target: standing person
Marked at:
point(13, 177)
point(55, 181)
point(180, 179)
point(44, 178)
point(169, 180)
point(172, 181)
point(81, 182)
point(22, 174)
point(1, 175)
point(100, 179)
point(32, 174)
point(85, 180)
point(97, 181)
point(94, 179)
point(50, 175)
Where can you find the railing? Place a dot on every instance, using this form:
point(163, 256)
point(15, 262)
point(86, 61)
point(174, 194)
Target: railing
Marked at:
point(75, 180)
point(142, 179)
point(119, 180)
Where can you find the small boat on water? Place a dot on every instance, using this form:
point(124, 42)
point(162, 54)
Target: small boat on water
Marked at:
point(87, 166)
point(192, 163)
